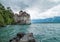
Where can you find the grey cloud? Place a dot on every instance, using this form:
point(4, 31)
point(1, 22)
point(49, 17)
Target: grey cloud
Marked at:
point(17, 5)
point(45, 4)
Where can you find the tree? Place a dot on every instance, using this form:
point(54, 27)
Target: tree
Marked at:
point(6, 15)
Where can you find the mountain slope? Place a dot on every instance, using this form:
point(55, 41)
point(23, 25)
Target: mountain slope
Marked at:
point(47, 20)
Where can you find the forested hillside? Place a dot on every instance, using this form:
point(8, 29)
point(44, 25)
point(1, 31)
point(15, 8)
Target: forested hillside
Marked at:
point(6, 15)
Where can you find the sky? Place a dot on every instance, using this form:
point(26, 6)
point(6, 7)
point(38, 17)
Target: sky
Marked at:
point(38, 9)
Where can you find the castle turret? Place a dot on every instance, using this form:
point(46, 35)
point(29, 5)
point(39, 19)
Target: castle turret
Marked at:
point(20, 12)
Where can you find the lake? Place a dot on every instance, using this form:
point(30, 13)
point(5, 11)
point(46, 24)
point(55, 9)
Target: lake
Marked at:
point(44, 32)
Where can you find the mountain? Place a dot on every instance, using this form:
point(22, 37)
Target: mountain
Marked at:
point(47, 20)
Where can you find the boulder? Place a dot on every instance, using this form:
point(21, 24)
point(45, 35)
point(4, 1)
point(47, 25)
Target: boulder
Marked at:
point(15, 39)
point(28, 38)
point(22, 37)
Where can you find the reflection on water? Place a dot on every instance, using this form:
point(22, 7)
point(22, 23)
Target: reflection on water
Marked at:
point(42, 32)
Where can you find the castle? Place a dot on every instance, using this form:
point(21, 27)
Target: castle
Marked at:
point(22, 18)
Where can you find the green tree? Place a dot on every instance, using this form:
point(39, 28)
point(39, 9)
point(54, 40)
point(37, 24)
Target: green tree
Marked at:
point(6, 15)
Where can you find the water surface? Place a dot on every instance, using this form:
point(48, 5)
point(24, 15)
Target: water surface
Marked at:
point(44, 32)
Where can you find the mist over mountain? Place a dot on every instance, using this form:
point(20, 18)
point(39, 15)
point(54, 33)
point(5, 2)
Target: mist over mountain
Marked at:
point(47, 20)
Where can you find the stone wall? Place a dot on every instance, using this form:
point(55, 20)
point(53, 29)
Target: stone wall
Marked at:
point(22, 18)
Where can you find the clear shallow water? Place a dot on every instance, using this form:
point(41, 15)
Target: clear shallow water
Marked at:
point(47, 32)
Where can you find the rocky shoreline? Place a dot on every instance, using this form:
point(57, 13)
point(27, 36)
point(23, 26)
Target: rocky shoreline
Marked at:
point(23, 37)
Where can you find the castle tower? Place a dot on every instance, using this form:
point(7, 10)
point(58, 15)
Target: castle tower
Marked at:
point(20, 12)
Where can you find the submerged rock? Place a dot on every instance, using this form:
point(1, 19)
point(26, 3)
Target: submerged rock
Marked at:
point(22, 37)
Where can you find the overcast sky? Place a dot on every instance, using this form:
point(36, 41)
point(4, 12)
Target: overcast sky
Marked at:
point(38, 9)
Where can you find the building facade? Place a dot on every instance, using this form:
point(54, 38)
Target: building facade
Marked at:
point(22, 18)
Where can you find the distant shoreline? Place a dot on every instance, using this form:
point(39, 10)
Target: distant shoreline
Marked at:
point(39, 23)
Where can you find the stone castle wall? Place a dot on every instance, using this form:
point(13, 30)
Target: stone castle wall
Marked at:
point(22, 18)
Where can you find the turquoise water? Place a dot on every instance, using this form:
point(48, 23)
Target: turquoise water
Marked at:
point(44, 32)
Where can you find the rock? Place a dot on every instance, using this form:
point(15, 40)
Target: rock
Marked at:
point(22, 37)
point(33, 40)
point(28, 38)
point(10, 40)
point(15, 39)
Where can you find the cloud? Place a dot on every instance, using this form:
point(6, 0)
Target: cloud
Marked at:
point(36, 8)
point(17, 5)
point(55, 11)
point(54, 1)
point(33, 11)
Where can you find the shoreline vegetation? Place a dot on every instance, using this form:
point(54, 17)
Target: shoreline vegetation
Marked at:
point(7, 17)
